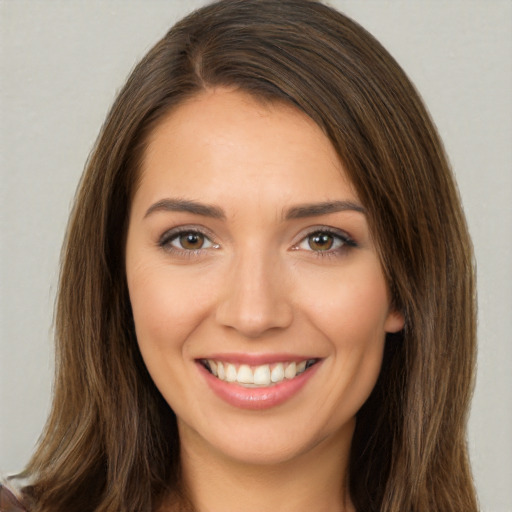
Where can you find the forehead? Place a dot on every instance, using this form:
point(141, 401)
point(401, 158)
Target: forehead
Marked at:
point(222, 139)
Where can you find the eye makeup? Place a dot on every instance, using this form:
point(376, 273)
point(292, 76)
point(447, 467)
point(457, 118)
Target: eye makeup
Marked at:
point(325, 241)
point(187, 241)
point(192, 240)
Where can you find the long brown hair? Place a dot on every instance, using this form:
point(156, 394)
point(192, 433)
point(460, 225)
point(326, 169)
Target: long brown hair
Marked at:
point(111, 441)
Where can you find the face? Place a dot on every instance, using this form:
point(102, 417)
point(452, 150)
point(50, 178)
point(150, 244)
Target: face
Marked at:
point(259, 301)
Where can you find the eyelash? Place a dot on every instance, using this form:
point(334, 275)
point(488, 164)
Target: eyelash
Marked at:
point(165, 241)
point(343, 240)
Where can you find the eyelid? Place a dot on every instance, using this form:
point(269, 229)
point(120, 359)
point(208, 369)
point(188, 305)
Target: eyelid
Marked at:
point(173, 233)
point(347, 240)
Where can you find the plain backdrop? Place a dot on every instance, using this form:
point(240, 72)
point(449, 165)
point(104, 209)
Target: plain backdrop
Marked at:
point(61, 64)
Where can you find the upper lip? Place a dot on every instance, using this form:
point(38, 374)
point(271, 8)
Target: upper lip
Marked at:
point(257, 359)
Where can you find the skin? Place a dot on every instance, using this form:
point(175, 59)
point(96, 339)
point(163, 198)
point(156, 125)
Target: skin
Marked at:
point(258, 285)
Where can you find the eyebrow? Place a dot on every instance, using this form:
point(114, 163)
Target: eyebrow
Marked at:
point(317, 209)
point(185, 205)
point(295, 212)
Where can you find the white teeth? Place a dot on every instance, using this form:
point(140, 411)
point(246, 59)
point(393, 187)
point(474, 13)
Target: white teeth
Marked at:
point(213, 366)
point(290, 371)
point(262, 375)
point(244, 375)
point(230, 372)
point(277, 374)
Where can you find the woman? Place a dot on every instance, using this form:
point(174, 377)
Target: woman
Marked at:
point(267, 293)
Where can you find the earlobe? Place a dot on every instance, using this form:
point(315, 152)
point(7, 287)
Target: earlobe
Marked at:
point(395, 322)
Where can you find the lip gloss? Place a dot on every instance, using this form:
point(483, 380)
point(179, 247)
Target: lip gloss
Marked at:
point(257, 398)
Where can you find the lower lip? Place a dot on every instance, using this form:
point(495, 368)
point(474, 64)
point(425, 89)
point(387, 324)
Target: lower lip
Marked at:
point(257, 398)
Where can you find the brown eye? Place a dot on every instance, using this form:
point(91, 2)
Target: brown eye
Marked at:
point(325, 241)
point(191, 241)
point(320, 241)
point(186, 241)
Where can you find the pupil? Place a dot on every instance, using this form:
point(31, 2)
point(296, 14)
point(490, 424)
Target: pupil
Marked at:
point(321, 242)
point(191, 241)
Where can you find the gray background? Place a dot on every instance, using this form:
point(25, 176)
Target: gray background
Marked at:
point(61, 64)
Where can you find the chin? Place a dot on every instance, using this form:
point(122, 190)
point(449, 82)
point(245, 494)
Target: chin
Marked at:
point(267, 442)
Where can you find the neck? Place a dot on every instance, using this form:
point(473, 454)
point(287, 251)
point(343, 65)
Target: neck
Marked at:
point(313, 480)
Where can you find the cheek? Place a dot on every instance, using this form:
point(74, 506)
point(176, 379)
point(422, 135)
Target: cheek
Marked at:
point(352, 307)
point(351, 312)
point(168, 304)
point(151, 302)
point(164, 308)
point(165, 315)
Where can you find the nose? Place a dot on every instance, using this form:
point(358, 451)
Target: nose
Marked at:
point(255, 298)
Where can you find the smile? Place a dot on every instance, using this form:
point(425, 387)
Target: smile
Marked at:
point(250, 382)
point(260, 376)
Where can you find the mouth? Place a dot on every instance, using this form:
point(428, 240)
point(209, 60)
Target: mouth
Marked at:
point(260, 376)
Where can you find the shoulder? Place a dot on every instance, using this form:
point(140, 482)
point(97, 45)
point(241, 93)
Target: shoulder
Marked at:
point(8, 501)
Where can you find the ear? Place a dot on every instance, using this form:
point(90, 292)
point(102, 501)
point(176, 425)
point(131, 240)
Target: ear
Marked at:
point(394, 322)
